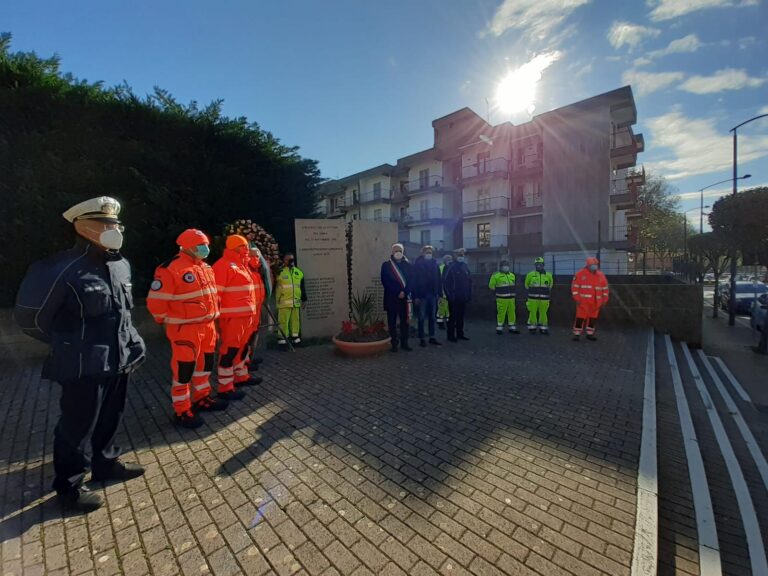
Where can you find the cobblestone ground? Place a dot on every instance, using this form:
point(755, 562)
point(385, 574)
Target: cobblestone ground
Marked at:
point(506, 454)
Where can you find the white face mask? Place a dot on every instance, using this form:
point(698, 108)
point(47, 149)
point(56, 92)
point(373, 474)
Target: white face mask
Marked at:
point(460, 259)
point(111, 239)
point(505, 268)
point(398, 256)
point(428, 256)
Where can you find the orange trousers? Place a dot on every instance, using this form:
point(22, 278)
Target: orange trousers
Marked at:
point(192, 350)
point(235, 333)
point(586, 314)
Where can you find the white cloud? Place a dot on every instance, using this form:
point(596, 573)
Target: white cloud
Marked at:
point(690, 43)
point(644, 83)
point(725, 79)
point(668, 9)
point(763, 110)
point(696, 146)
point(536, 19)
point(632, 35)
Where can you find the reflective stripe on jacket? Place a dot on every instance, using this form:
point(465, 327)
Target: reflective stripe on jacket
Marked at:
point(290, 288)
point(503, 283)
point(183, 292)
point(539, 285)
point(234, 284)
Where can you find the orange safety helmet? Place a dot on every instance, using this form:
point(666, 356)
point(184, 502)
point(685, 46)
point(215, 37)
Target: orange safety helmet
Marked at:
point(592, 260)
point(235, 241)
point(190, 238)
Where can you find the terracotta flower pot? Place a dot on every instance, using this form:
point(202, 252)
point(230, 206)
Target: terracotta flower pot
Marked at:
point(357, 349)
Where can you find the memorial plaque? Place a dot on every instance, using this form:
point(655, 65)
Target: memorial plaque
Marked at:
point(321, 253)
point(371, 245)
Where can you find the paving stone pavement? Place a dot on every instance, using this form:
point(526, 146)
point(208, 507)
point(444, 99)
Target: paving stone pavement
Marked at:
point(502, 455)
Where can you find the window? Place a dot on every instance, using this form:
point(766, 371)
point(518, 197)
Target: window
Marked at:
point(377, 191)
point(520, 197)
point(483, 161)
point(377, 215)
point(403, 213)
point(425, 237)
point(423, 179)
point(484, 235)
point(520, 155)
point(537, 198)
point(334, 205)
point(424, 209)
point(483, 199)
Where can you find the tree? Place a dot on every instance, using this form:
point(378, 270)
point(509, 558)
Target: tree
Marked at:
point(661, 229)
point(742, 220)
point(713, 251)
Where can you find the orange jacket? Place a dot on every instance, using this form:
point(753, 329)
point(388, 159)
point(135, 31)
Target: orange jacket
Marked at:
point(234, 283)
point(590, 288)
point(254, 267)
point(183, 292)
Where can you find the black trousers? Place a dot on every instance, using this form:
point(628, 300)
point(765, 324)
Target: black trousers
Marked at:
point(91, 411)
point(456, 318)
point(400, 311)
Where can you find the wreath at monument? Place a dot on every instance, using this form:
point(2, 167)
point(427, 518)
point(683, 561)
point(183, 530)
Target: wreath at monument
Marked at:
point(258, 236)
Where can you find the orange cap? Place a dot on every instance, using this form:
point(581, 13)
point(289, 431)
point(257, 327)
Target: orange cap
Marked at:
point(191, 238)
point(592, 260)
point(235, 241)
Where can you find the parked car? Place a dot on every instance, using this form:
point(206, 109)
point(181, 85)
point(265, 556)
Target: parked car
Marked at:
point(746, 293)
point(759, 312)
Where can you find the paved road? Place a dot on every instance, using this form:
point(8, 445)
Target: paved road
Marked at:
point(511, 454)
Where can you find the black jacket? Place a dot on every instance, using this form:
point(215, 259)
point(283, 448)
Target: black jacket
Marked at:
point(79, 302)
point(457, 282)
point(391, 282)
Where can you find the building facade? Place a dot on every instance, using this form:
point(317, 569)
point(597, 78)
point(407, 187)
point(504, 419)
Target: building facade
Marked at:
point(562, 186)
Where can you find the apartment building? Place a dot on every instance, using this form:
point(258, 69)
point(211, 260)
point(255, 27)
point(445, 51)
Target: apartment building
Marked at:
point(561, 186)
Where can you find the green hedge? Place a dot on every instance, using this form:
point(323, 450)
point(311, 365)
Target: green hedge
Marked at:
point(171, 166)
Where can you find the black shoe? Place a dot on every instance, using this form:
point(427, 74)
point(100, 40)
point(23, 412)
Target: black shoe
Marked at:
point(423, 343)
point(576, 337)
point(591, 337)
point(514, 331)
point(452, 339)
point(434, 342)
point(209, 404)
point(119, 471)
point(756, 350)
point(441, 326)
point(544, 331)
point(406, 348)
point(80, 500)
point(189, 420)
point(252, 381)
point(499, 331)
point(232, 395)
point(462, 337)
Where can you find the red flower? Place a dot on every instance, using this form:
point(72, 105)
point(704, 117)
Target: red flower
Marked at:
point(347, 327)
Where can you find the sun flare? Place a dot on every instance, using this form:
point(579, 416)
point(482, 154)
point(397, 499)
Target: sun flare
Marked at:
point(517, 90)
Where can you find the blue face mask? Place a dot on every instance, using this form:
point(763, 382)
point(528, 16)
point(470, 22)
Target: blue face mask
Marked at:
point(202, 251)
point(460, 259)
point(593, 268)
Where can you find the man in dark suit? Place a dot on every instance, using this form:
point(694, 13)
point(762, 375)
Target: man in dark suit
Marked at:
point(395, 277)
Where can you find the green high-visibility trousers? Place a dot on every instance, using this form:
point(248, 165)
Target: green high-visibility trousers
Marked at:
point(505, 311)
point(442, 309)
point(537, 312)
point(290, 321)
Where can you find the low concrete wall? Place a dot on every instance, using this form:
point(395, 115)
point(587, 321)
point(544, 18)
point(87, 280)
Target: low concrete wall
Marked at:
point(666, 304)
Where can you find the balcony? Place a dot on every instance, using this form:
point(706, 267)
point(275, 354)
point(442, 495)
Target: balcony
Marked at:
point(625, 146)
point(529, 243)
point(431, 183)
point(624, 187)
point(525, 204)
point(622, 237)
point(373, 196)
point(486, 206)
point(390, 218)
point(489, 168)
point(336, 207)
point(424, 216)
point(486, 242)
point(533, 166)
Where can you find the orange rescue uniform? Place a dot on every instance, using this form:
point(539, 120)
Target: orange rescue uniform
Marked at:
point(183, 297)
point(590, 292)
point(236, 288)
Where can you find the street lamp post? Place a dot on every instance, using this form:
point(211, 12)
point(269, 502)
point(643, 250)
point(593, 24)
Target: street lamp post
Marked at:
point(701, 192)
point(732, 303)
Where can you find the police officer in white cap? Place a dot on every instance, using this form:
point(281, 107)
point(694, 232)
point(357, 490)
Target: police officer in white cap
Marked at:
point(79, 302)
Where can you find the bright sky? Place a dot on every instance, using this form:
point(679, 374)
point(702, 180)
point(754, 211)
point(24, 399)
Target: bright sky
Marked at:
point(356, 84)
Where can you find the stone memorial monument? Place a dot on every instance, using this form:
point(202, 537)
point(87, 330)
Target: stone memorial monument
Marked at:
point(371, 245)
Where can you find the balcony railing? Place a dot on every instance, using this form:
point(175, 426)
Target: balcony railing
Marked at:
point(480, 241)
point(487, 167)
point(422, 184)
point(485, 205)
point(390, 218)
point(376, 196)
point(337, 207)
point(519, 202)
point(422, 214)
point(619, 233)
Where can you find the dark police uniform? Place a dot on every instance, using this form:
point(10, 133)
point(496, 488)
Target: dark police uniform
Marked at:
point(79, 302)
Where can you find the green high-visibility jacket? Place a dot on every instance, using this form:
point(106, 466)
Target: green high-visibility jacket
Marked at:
point(539, 285)
point(503, 283)
point(290, 292)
